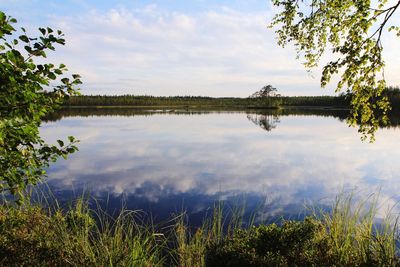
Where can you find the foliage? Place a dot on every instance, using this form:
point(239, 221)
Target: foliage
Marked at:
point(348, 236)
point(29, 237)
point(78, 236)
point(292, 244)
point(138, 101)
point(27, 94)
point(269, 94)
point(192, 245)
point(203, 102)
point(353, 30)
point(266, 91)
point(33, 236)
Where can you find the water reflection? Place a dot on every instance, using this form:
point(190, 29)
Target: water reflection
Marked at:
point(129, 112)
point(167, 161)
point(266, 121)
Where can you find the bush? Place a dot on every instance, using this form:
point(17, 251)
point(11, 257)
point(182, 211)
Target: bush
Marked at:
point(32, 236)
point(292, 244)
point(28, 237)
point(347, 236)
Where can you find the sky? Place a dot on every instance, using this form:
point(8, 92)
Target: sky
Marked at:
point(197, 47)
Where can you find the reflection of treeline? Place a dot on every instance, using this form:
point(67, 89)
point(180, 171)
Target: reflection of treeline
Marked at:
point(341, 114)
point(128, 112)
point(193, 101)
point(93, 111)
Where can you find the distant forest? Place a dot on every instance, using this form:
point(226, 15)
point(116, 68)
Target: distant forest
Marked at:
point(200, 101)
point(341, 101)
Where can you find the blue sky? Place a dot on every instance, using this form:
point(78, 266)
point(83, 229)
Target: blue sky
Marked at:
point(198, 47)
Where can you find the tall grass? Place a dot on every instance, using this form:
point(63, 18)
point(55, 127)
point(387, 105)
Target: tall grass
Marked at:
point(192, 245)
point(348, 235)
point(356, 236)
point(31, 235)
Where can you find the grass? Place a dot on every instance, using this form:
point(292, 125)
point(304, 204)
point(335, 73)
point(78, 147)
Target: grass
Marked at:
point(31, 235)
point(354, 235)
point(79, 236)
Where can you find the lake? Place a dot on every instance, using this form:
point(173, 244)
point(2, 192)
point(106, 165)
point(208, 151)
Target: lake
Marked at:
point(276, 164)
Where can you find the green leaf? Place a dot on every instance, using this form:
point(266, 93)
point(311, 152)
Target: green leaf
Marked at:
point(25, 96)
point(65, 80)
point(24, 38)
point(51, 75)
point(60, 143)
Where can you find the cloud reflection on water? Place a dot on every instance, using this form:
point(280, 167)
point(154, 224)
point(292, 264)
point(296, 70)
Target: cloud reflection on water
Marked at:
point(218, 155)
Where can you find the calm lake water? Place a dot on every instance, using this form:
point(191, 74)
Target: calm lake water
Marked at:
point(274, 164)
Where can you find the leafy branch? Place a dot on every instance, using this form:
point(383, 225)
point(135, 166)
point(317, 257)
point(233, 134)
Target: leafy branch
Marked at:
point(351, 28)
point(26, 96)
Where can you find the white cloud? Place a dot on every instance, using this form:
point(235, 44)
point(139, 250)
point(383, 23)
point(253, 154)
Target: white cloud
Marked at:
point(154, 51)
point(201, 48)
point(303, 155)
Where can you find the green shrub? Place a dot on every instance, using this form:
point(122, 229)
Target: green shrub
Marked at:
point(347, 236)
point(292, 244)
point(32, 236)
point(28, 237)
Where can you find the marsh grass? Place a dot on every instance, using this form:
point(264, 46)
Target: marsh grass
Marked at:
point(356, 236)
point(45, 234)
point(78, 236)
point(192, 245)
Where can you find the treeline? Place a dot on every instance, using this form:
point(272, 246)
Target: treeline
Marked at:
point(341, 101)
point(194, 101)
point(325, 101)
point(160, 101)
point(393, 94)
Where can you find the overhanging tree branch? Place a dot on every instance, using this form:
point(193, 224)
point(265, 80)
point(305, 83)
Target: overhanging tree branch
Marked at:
point(346, 26)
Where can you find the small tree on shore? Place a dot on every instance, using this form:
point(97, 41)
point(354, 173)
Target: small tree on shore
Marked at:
point(268, 93)
point(28, 92)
